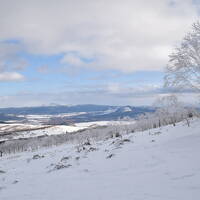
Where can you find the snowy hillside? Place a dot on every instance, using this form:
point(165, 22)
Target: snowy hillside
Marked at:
point(161, 164)
point(19, 131)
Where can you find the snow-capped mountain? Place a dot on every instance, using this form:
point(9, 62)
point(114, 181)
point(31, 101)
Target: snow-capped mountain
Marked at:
point(124, 109)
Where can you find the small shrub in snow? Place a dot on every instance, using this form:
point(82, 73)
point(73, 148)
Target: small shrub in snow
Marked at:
point(87, 143)
point(155, 133)
point(61, 166)
point(37, 156)
point(110, 156)
point(126, 140)
point(15, 182)
point(77, 158)
point(92, 149)
point(80, 149)
point(65, 158)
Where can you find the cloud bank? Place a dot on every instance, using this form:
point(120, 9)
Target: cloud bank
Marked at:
point(120, 36)
point(11, 76)
point(125, 35)
point(109, 94)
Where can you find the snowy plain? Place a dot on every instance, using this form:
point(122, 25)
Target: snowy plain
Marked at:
point(161, 164)
point(20, 130)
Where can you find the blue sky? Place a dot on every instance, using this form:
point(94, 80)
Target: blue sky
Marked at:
point(100, 52)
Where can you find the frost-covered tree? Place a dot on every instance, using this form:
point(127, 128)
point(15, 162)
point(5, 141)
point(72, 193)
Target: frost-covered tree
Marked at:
point(168, 109)
point(171, 111)
point(183, 69)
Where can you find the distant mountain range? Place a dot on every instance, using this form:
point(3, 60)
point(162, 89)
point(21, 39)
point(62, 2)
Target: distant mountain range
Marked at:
point(113, 113)
point(54, 110)
point(84, 113)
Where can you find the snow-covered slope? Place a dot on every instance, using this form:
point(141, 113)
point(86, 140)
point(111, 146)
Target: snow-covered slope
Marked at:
point(18, 131)
point(161, 164)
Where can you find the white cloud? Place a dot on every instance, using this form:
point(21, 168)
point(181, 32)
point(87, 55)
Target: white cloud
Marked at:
point(126, 35)
point(11, 76)
point(72, 59)
point(127, 97)
point(133, 90)
point(9, 58)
